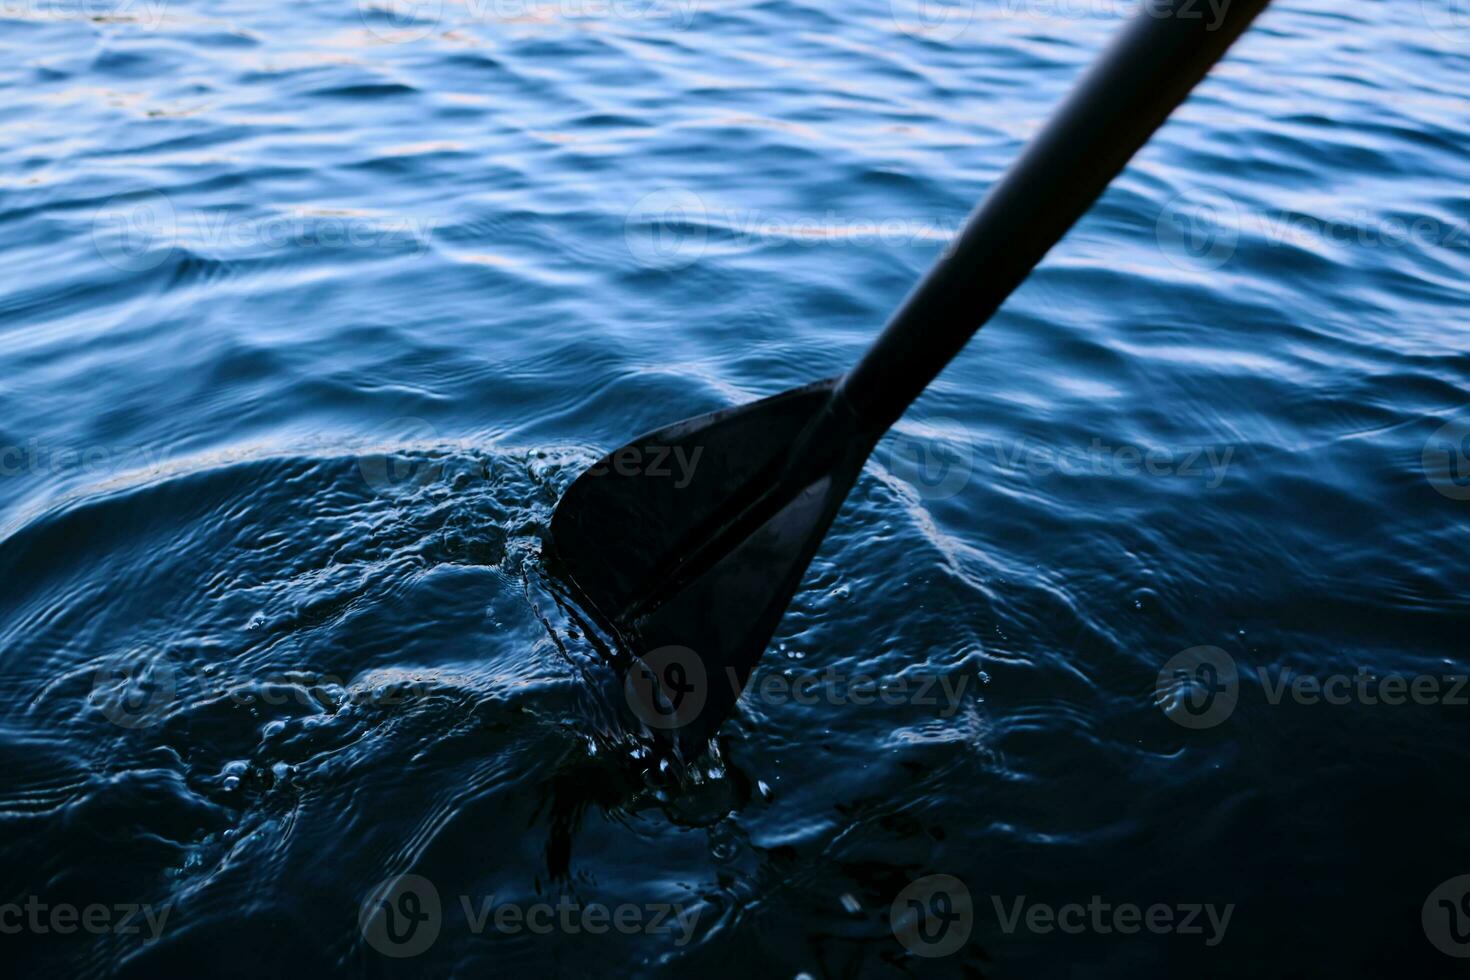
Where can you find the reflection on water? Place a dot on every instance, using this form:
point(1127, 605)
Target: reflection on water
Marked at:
point(314, 310)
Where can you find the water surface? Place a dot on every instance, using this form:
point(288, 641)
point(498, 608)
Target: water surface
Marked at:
point(313, 309)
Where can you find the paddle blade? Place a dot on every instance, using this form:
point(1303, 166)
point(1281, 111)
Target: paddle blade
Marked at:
point(690, 541)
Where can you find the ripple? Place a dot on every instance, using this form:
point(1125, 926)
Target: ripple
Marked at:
point(274, 478)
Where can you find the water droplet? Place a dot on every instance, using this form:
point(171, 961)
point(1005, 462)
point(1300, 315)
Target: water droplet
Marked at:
point(851, 904)
point(232, 783)
point(764, 789)
point(722, 843)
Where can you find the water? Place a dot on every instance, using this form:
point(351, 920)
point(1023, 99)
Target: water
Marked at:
point(312, 310)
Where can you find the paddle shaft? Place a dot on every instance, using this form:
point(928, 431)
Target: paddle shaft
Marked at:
point(1124, 97)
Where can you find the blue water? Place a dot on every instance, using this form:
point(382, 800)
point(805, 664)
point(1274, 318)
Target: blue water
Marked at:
point(312, 309)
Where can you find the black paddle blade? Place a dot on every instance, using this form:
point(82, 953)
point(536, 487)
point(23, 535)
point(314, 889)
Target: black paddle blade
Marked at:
point(690, 541)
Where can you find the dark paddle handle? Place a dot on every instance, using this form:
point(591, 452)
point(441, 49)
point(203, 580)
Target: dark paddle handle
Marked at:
point(1123, 98)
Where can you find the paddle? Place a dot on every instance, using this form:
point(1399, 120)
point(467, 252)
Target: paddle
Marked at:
point(692, 565)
